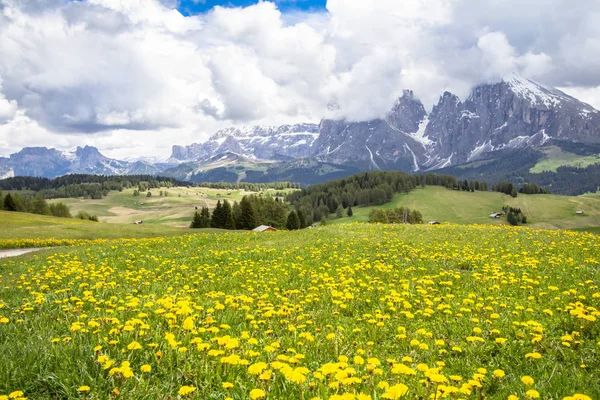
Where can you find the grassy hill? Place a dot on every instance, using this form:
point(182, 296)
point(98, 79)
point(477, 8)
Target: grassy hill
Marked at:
point(542, 211)
point(175, 210)
point(554, 157)
point(27, 226)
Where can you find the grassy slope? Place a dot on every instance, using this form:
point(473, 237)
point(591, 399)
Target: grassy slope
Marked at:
point(173, 210)
point(27, 226)
point(555, 157)
point(547, 211)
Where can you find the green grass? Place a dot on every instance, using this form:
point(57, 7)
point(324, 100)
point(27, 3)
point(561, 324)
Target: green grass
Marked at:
point(175, 210)
point(340, 310)
point(31, 226)
point(554, 158)
point(542, 211)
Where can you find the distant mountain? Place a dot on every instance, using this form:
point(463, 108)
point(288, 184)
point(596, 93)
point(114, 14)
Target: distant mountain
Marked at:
point(49, 163)
point(494, 122)
point(256, 142)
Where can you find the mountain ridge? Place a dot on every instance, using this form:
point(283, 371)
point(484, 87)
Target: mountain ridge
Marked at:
point(514, 114)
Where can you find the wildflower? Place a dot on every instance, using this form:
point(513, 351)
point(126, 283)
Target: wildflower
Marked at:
point(527, 380)
point(134, 346)
point(257, 394)
point(84, 389)
point(227, 385)
point(146, 368)
point(532, 394)
point(185, 390)
point(395, 392)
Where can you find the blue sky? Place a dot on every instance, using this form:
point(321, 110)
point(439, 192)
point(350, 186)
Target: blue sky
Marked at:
point(188, 7)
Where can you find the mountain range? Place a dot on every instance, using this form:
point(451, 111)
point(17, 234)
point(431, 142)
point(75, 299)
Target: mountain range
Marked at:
point(504, 118)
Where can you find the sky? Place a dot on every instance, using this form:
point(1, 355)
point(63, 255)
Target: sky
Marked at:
point(134, 77)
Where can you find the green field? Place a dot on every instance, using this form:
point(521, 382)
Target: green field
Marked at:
point(174, 210)
point(542, 211)
point(360, 311)
point(32, 226)
point(554, 157)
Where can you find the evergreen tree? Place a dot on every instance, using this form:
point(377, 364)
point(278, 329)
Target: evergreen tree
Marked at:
point(39, 206)
point(350, 211)
point(339, 212)
point(216, 220)
point(293, 222)
point(228, 219)
point(60, 210)
point(237, 214)
point(302, 219)
point(9, 203)
point(247, 219)
point(511, 217)
point(324, 221)
point(196, 221)
point(1, 200)
point(149, 194)
point(205, 217)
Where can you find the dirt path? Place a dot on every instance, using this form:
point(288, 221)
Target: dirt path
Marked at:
point(16, 252)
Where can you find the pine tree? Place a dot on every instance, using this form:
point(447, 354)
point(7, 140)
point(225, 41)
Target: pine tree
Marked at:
point(9, 203)
point(247, 220)
point(217, 216)
point(302, 219)
point(196, 221)
point(339, 212)
point(228, 219)
point(39, 206)
point(350, 211)
point(293, 222)
point(204, 217)
point(512, 218)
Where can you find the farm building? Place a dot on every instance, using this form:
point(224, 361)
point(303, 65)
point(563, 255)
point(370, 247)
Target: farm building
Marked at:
point(264, 228)
point(579, 213)
point(435, 222)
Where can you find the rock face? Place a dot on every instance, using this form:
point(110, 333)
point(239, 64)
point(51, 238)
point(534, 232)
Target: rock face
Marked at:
point(395, 142)
point(513, 114)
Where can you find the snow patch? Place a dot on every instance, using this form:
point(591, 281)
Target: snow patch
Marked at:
point(415, 162)
point(468, 114)
point(533, 91)
point(419, 135)
point(486, 147)
point(372, 160)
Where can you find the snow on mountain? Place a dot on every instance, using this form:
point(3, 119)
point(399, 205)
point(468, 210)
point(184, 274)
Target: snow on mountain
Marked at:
point(513, 114)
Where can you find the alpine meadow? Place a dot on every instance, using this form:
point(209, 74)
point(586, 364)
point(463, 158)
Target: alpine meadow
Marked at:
point(299, 200)
point(340, 312)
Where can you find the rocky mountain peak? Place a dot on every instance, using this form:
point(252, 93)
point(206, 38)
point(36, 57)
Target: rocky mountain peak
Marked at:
point(407, 113)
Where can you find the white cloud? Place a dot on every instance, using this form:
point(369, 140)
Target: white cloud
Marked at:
point(135, 76)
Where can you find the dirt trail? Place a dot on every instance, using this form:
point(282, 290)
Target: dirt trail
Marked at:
point(16, 252)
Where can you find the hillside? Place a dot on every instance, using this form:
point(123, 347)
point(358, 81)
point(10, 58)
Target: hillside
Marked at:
point(542, 211)
point(32, 226)
point(175, 210)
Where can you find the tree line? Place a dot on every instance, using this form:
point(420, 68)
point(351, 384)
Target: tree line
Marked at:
point(366, 189)
point(85, 185)
point(33, 205)
point(400, 215)
point(250, 212)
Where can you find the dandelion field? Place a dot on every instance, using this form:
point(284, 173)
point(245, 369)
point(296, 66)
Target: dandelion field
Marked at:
point(340, 312)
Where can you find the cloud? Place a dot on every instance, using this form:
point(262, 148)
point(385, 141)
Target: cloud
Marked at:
point(126, 73)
